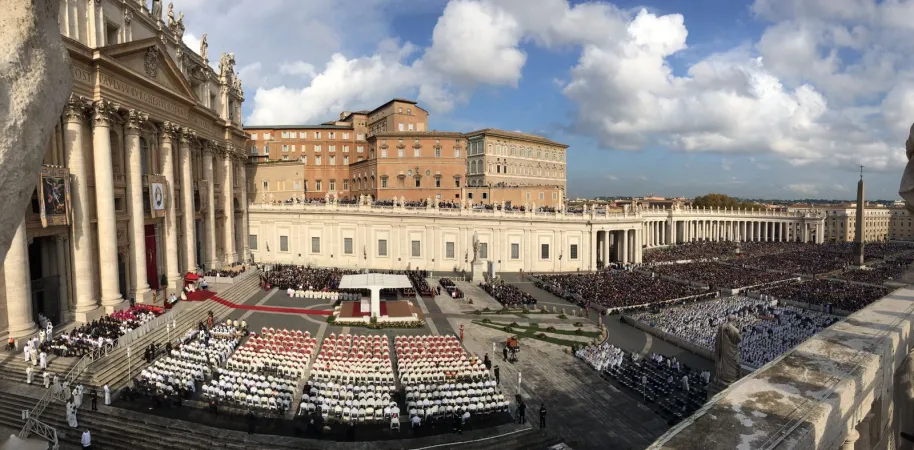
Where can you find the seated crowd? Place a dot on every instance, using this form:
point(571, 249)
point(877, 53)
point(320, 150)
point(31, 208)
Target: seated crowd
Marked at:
point(845, 296)
point(232, 271)
point(451, 288)
point(286, 276)
point(767, 330)
point(420, 284)
point(352, 380)
point(711, 250)
point(888, 271)
point(263, 374)
point(189, 363)
point(332, 296)
point(442, 381)
point(104, 331)
point(614, 289)
point(717, 275)
point(508, 295)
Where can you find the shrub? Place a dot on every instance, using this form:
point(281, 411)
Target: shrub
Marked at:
point(550, 329)
point(562, 316)
point(578, 331)
point(477, 312)
point(486, 309)
point(541, 335)
point(514, 324)
point(486, 320)
point(503, 311)
point(508, 329)
point(578, 324)
point(331, 319)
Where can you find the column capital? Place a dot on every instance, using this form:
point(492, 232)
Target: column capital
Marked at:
point(75, 109)
point(187, 135)
point(103, 112)
point(169, 131)
point(135, 120)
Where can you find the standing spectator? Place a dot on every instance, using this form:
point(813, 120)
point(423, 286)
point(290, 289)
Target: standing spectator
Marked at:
point(487, 362)
point(86, 440)
point(542, 415)
point(497, 378)
point(522, 413)
point(94, 396)
point(505, 353)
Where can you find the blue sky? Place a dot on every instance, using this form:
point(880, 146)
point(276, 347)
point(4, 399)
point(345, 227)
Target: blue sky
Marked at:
point(761, 99)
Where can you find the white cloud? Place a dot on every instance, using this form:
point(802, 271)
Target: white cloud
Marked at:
point(726, 164)
point(803, 189)
point(297, 68)
point(612, 178)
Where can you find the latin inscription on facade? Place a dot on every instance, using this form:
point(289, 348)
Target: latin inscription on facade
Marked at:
point(115, 84)
point(82, 74)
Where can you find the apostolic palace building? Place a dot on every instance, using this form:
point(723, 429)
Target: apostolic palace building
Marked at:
point(143, 177)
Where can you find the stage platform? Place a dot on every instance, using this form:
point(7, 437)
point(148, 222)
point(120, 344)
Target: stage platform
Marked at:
point(390, 311)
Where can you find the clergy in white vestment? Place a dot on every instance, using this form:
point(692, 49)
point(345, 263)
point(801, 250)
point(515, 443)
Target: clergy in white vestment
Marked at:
point(43, 360)
point(77, 398)
point(47, 379)
point(28, 374)
point(107, 395)
point(71, 415)
point(27, 351)
point(41, 336)
point(34, 355)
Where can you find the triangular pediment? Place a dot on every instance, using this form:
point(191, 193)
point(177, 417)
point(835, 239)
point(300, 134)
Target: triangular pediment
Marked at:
point(150, 59)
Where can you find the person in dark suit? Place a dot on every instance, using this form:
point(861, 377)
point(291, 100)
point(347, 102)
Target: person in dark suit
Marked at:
point(94, 396)
point(497, 377)
point(542, 415)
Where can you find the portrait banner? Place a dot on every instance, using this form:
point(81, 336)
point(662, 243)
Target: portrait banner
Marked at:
point(158, 195)
point(54, 196)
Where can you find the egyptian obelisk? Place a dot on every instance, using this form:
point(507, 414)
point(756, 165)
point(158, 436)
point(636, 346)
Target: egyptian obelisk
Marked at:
point(858, 234)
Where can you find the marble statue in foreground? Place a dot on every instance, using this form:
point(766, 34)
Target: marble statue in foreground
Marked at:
point(906, 190)
point(726, 354)
point(36, 82)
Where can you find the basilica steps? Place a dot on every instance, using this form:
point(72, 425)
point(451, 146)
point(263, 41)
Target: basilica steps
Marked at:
point(113, 369)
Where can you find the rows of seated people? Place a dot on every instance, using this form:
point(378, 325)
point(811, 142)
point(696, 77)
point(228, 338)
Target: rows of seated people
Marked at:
point(674, 387)
point(324, 295)
point(352, 380)
point(420, 284)
point(285, 276)
point(440, 379)
point(264, 373)
point(508, 294)
point(232, 271)
point(452, 290)
point(104, 331)
point(188, 363)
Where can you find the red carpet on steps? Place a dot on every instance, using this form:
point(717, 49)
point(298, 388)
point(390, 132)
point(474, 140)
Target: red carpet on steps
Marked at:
point(204, 295)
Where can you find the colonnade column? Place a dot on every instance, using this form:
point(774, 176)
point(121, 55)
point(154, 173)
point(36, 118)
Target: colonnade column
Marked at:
point(209, 220)
point(228, 194)
point(187, 200)
point(851, 440)
point(60, 255)
point(624, 245)
point(141, 291)
point(102, 113)
point(166, 149)
point(19, 286)
point(86, 305)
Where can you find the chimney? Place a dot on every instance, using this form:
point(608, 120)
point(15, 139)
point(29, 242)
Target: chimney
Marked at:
point(344, 114)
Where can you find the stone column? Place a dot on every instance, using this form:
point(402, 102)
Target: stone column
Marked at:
point(850, 440)
point(187, 200)
point(102, 113)
point(864, 429)
point(60, 254)
point(19, 286)
point(242, 173)
point(209, 220)
point(141, 291)
point(624, 244)
point(166, 148)
point(228, 195)
point(86, 307)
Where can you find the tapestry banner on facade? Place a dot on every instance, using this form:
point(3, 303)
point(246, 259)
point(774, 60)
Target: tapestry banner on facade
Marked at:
point(54, 196)
point(158, 198)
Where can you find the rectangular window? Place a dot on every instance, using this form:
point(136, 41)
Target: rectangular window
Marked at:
point(418, 182)
point(384, 153)
point(303, 134)
point(296, 184)
point(437, 153)
point(456, 152)
point(333, 160)
point(315, 244)
point(416, 249)
point(317, 160)
point(304, 159)
point(544, 251)
point(542, 196)
point(360, 136)
point(484, 250)
point(417, 152)
point(254, 136)
point(515, 251)
point(359, 149)
point(284, 243)
point(268, 136)
point(345, 160)
point(399, 153)
point(346, 185)
point(573, 253)
point(410, 127)
point(383, 182)
point(317, 135)
point(332, 185)
point(285, 157)
point(254, 150)
point(449, 250)
point(332, 135)
point(345, 135)
point(400, 127)
point(382, 247)
point(285, 148)
point(317, 185)
point(331, 148)
point(252, 241)
point(345, 149)
point(347, 246)
point(266, 185)
point(438, 182)
point(284, 134)
point(317, 148)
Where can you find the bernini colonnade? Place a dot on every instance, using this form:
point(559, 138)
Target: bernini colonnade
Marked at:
point(376, 237)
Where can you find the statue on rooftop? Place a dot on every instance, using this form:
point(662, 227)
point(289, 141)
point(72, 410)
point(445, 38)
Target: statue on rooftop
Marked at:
point(157, 11)
point(906, 189)
point(171, 15)
point(204, 46)
point(726, 354)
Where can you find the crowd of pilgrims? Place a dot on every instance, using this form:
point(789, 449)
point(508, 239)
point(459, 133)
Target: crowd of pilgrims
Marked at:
point(767, 329)
point(716, 275)
point(232, 271)
point(677, 389)
point(86, 338)
point(508, 295)
point(450, 287)
point(839, 294)
point(616, 288)
point(878, 274)
point(290, 276)
point(710, 250)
